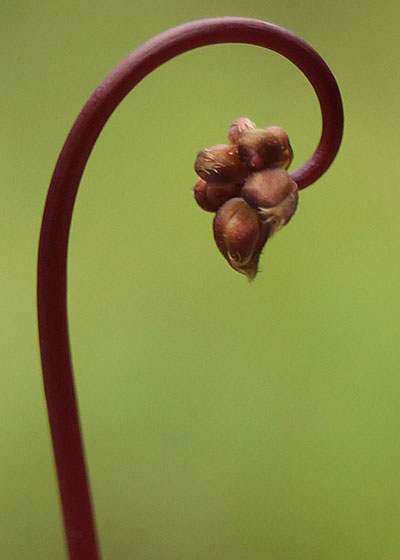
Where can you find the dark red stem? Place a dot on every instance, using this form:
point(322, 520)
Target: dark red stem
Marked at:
point(52, 310)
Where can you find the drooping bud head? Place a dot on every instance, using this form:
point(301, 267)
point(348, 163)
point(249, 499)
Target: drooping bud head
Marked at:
point(240, 235)
point(210, 196)
point(238, 127)
point(220, 163)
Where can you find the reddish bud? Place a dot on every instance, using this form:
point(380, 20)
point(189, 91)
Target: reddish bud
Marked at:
point(259, 149)
point(240, 235)
point(287, 151)
point(275, 195)
point(267, 188)
point(238, 127)
point(220, 163)
point(210, 196)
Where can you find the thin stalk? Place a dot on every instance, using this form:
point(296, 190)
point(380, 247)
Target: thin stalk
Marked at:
point(59, 388)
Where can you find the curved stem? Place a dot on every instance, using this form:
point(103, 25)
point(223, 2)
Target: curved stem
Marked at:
point(52, 262)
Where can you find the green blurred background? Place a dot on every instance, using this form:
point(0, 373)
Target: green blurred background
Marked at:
point(222, 421)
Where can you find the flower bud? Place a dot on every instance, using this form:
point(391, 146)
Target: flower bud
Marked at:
point(259, 149)
point(275, 195)
point(280, 215)
point(238, 127)
point(240, 235)
point(210, 196)
point(267, 188)
point(287, 151)
point(220, 163)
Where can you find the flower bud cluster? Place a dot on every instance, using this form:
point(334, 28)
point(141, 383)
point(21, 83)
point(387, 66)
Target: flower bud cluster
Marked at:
point(247, 185)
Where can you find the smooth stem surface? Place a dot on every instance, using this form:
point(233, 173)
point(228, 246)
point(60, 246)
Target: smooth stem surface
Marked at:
point(52, 264)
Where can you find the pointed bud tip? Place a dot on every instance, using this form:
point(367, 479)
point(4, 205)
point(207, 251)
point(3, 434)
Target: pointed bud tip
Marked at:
point(238, 127)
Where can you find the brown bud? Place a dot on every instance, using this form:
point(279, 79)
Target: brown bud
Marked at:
point(287, 152)
point(220, 163)
point(267, 188)
point(210, 196)
point(262, 149)
point(238, 127)
point(240, 235)
point(259, 149)
point(275, 195)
